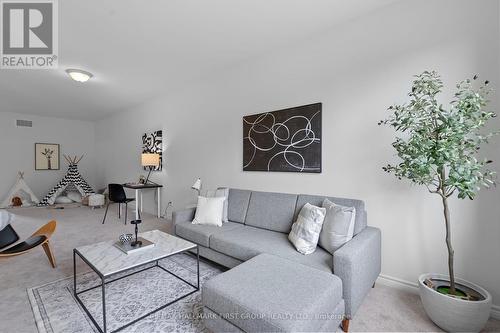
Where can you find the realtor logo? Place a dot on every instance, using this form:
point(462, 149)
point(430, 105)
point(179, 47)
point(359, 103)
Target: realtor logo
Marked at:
point(28, 34)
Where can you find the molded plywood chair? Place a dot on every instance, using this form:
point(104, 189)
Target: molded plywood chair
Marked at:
point(41, 237)
point(117, 194)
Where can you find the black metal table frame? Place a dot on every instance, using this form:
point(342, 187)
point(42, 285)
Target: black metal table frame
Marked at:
point(104, 282)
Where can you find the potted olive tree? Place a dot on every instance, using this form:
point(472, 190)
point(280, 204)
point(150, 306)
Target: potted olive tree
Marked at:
point(438, 149)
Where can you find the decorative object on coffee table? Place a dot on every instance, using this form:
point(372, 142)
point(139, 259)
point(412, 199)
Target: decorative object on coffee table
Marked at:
point(137, 242)
point(285, 140)
point(125, 238)
point(438, 148)
point(126, 246)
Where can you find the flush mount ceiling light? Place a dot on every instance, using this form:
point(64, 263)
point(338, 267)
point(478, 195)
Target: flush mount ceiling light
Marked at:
point(79, 75)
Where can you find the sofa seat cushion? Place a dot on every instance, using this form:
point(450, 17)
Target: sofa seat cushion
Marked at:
point(247, 242)
point(272, 294)
point(200, 233)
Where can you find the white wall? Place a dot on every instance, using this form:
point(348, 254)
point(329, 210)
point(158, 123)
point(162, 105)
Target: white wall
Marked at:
point(17, 145)
point(356, 70)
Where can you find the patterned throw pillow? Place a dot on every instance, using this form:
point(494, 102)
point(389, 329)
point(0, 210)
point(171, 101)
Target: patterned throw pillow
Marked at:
point(305, 231)
point(338, 227)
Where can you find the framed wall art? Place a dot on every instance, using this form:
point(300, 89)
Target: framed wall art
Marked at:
point(47, 156)
point(153, 143)
point(287, 140)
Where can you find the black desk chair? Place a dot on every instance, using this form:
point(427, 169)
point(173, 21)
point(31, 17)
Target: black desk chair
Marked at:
point(117, 195)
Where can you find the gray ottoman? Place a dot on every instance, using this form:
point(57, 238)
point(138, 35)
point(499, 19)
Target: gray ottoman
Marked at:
point(272, 294)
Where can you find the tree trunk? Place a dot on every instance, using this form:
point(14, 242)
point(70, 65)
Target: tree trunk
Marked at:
point(448, 244)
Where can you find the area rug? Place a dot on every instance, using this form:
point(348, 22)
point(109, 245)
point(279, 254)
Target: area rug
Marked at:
point(56, 310)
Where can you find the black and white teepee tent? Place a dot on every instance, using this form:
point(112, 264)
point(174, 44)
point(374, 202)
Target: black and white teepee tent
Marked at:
point(22, 191)
point(73, 178)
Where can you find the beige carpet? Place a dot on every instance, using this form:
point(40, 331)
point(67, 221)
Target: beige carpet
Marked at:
point(385, 308)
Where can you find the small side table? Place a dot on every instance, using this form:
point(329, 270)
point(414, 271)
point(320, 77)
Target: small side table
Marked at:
point(138, 195)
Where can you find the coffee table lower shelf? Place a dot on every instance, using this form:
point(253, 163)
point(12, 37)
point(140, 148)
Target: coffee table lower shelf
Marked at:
point(103, 284)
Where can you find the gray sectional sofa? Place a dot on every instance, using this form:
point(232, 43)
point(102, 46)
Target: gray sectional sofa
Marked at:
point(259, 223)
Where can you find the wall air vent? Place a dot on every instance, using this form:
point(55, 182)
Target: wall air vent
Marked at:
point(24, 123)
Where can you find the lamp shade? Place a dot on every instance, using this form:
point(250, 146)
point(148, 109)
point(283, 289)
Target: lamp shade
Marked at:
point(197, 185)
point(148, 159)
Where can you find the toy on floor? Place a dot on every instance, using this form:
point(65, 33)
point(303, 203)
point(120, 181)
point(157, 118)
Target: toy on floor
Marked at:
point(17, 202)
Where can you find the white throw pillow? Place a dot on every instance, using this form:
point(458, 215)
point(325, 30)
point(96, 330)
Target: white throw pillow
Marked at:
point(209, 211)
point(62, 199)
point(221, 192)
point(5, 218)
point(338, 227)
point(305, 231)
point(75, 196)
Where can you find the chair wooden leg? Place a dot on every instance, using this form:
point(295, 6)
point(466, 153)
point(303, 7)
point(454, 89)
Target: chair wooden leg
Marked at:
point(119, 210)
point(49, 253)
point(105, 213)
point(126, 209)
point(345, 325)
point(373, 285)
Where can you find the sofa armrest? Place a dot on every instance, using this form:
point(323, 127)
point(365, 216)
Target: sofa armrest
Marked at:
point(358, 265)
point(183, 215)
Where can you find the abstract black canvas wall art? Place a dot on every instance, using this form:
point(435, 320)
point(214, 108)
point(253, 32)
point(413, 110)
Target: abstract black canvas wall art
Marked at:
point(286, 140)
point(153, 143)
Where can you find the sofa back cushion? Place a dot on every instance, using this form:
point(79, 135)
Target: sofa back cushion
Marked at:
point(237, 205)
point(272, 211)
point(317, 200)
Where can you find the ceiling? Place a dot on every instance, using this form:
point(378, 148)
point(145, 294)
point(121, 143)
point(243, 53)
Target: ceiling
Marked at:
point(138, 50)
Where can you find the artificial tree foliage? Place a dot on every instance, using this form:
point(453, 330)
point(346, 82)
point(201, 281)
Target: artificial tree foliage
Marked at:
point(438, 146)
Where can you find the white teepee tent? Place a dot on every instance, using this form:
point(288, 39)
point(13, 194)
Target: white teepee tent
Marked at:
point(22, 191)
point(72, 177)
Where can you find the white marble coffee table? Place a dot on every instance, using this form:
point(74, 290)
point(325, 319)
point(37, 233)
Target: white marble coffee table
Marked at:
point(107, 260)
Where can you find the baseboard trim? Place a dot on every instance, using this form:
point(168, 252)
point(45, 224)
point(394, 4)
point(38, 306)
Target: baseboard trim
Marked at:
point(398, 283)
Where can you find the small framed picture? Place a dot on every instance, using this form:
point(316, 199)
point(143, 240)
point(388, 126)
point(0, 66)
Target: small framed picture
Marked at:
point(47, 156)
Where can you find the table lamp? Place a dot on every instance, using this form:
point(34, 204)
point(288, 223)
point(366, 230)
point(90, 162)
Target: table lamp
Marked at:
point(150, 160)
point(197, 185)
